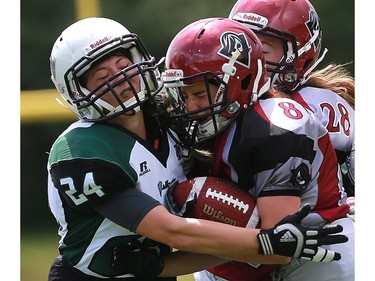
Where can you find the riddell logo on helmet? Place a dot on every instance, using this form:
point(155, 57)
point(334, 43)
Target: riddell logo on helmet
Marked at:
point(251, 18)
point(172, 75)
point(99, 42)
point(76, 95)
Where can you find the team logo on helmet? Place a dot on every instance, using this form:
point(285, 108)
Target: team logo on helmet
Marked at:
point(231, 42)
point(313, 26)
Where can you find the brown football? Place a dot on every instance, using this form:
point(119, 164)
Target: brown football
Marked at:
point(217, 199)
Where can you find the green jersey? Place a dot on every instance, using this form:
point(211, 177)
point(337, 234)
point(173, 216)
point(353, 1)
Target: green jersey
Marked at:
point(91, 163)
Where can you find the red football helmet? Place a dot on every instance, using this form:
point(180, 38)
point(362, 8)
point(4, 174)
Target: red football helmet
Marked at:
point(221, 52)
point(296, 24)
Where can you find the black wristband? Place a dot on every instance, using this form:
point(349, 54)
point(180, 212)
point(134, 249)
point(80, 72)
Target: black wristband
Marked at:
point(265, 245)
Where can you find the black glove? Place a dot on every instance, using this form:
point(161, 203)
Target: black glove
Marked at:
point(140, 259)
point(290, 238)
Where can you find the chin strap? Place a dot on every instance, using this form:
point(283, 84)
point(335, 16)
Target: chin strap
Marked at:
point(255, 94)
point(308, 44)
point(229, 70)
point(305, 49)
point(305, 76)
point(67, 107)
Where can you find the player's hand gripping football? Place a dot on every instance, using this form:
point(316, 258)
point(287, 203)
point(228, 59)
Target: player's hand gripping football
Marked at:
point(290, 238)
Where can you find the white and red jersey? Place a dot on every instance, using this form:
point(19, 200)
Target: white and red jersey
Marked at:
point(278, 147)
point(335, 114)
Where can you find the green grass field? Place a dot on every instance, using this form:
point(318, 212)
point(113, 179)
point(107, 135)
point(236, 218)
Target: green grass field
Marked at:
point(38, 250)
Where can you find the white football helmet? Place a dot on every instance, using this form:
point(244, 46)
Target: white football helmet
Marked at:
point(88, 41)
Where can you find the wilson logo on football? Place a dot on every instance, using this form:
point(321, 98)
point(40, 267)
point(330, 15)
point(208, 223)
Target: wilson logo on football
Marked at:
point(217, 215)
point(226, 199)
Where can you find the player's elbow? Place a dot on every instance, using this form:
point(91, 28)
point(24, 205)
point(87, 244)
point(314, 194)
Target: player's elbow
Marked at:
point(178, 235)
point(166, 228)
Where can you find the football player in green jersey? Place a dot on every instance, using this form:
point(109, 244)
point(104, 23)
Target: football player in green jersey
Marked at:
point(109, 172)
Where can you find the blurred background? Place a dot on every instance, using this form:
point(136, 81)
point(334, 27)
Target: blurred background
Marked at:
point(42, 119)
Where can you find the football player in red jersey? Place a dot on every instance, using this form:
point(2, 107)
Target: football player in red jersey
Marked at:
point(291, 34)
point(269, 144)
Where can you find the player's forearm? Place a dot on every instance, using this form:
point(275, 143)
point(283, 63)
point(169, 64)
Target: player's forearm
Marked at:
point(201, 236)
point(223, 240)
point(180, 263)
point(232, 243)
